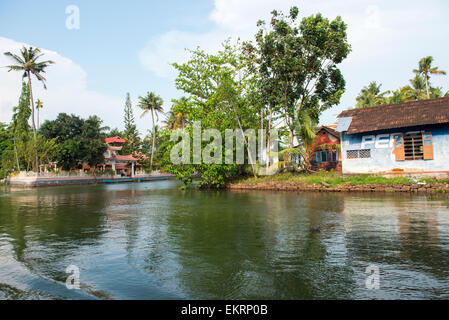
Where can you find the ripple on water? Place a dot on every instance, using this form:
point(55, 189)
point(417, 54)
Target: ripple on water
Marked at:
point(153, 241)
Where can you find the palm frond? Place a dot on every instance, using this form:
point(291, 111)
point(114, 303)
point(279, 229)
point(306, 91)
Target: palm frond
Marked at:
point(15, 57)
point(144, 113)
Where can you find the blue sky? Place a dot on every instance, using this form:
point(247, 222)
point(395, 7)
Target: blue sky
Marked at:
point(109, 38)
point(127, 46)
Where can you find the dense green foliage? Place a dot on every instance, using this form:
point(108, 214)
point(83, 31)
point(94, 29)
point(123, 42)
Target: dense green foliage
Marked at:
point(6, 151)
point(78, 140)
point(219, 97)
point(288, 74)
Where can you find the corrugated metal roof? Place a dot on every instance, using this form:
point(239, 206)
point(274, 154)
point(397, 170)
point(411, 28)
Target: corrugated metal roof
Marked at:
point(343, 124)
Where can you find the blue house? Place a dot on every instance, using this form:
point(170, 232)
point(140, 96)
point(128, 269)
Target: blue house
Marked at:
point(406, 138)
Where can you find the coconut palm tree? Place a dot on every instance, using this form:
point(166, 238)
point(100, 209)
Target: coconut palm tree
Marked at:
point(174, 120)
point(151, 103)
point(27, 62)
point(177, 116)
point(425, 69)
point(416, 90)
point(397, 96)
point(305, 131)
point(39, 105)
point(371, 96)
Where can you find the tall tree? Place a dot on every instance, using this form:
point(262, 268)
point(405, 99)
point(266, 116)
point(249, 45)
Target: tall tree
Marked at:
point(27, 62)
point(92, 141)
point(131, 135)
point(220, 88)
point(19, 125)
point(297, 63)
point(425, 69)
point(79, 140)
point(151, 103)
point(371, 95)
point(22, 113)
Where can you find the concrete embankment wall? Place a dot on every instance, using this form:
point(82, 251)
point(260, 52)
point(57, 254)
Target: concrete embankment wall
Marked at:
point(37, 182)
point(60, 181)
point(291, 186)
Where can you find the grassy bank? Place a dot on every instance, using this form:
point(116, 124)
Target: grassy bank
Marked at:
point(333, 179)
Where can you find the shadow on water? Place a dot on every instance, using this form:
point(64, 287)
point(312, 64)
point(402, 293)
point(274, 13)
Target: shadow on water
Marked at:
point(154, 241)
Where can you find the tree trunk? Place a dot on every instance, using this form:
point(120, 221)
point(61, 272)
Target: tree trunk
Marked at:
point(32, 104)
point(291, 138)
point(260, 138)
point(244, 140)
point(307, 164)
point(268, 140)
point(427, 86)
point(17, 156)
point(34, 124)
point(154, 139)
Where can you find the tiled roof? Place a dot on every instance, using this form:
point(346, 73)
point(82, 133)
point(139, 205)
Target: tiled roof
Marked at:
point(330, 130)
point(140, 155)
point(115, 139)
point(408, 114)
point(125, 158)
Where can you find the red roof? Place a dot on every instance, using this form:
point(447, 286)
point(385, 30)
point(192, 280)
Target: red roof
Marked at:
point(140, 155)
point(330, 130)
point(115, 139)
point(125, 158)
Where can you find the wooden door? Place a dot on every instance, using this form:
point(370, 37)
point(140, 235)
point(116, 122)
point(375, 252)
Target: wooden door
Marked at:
point(399, 147)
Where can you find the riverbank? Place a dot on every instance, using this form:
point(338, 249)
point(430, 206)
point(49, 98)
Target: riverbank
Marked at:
point(44, 180)
point(332, 182)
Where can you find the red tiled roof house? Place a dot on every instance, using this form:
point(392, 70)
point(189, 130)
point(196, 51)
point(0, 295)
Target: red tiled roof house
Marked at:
point(324, 152)
point(120, 164)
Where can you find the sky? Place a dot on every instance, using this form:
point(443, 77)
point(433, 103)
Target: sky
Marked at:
point(128, 46)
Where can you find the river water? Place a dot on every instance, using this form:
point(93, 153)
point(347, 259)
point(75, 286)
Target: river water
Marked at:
point(154, 241)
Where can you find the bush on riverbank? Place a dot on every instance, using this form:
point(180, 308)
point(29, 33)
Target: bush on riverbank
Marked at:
point(333, 179)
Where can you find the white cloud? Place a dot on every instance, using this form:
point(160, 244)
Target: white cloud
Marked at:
point(230, 18)
point(373, 17)
point(170, 47)
point(67, 89)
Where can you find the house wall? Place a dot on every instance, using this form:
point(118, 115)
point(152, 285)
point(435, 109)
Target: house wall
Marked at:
point(382, 160)
point(323, 137)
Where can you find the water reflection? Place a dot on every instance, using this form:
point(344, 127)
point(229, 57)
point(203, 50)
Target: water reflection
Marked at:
point(153, 241)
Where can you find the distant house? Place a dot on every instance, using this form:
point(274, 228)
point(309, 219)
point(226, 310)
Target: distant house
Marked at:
point(126, 165)
point(325, 150)
point(411, 137)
